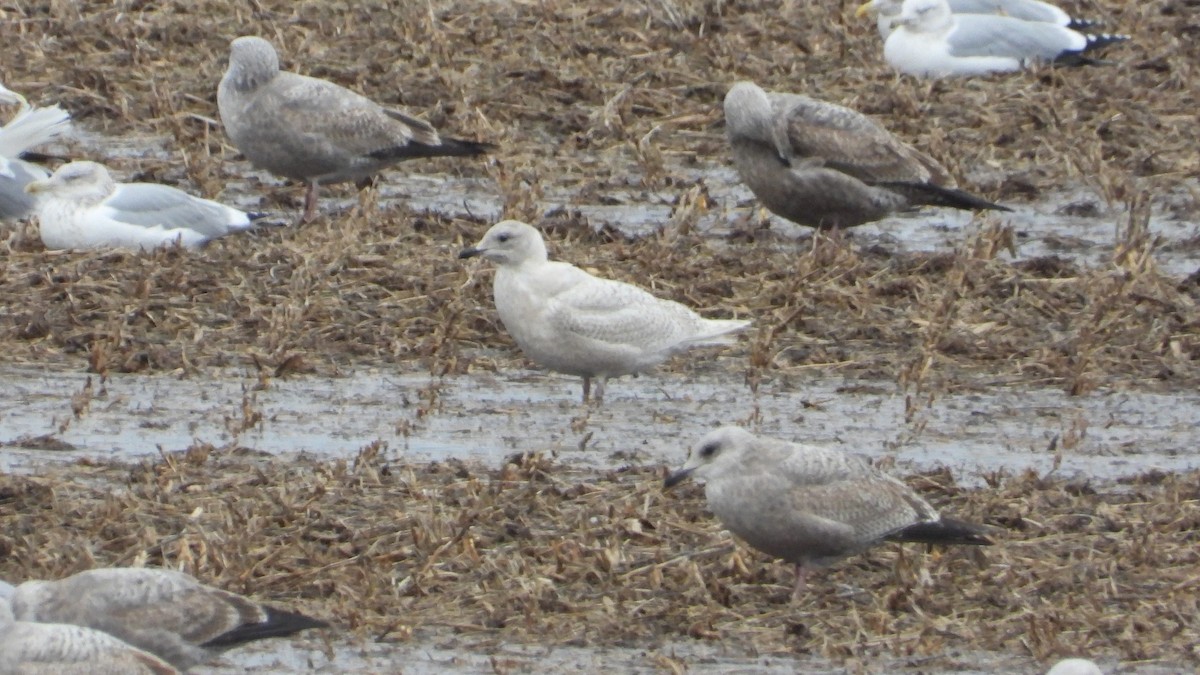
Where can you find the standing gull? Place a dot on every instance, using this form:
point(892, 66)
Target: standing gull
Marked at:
point(887, 12)
point(30, 127)
point(28, 648)
point(826, 166)
point(808, 505)
point(80, 206)
point(316, 131)
point(164, 612)
point(931, 41)
point(570, 321)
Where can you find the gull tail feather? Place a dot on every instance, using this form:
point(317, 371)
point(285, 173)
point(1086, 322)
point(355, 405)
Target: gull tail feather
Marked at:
point(279, 623)
point(1081, 57)
point(718, 331)
point(927, 194)
point(944, 531)
point(32, 127)
point(446, 147)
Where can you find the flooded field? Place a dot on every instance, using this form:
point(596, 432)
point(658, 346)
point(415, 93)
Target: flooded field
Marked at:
point(331, 417)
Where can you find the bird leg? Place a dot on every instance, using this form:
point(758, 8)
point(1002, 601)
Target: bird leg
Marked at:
point(798, 588)
point(600, 389)
point(587, 389)
point(310, 204)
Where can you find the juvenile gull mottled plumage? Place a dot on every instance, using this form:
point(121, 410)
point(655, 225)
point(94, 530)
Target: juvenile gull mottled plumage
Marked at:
point(827, 166)
point(164, 612)
point(808, 505)
point(28, 648)
point(887, 12)
point(316, 131)
point(28, 128)
point(570, 321)
point(80, 206)
point(931, 41)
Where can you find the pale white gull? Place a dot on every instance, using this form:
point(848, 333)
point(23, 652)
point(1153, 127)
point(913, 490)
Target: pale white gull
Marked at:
point(80, 206)
point(931, 41)
point(29, 648)
point(572, 322)
point(316, 131)
point(164, 612)
point(1075, 667)
point(811, 506)
point(30, 127)
point(887, 12)
point(827, 166)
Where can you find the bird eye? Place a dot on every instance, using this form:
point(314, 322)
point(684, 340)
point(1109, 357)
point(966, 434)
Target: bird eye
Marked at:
point(708, 450)
point(503, 237)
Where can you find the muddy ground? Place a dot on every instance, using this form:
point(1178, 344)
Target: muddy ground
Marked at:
point(456, 510)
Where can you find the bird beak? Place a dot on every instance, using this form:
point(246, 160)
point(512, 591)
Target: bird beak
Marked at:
point(676, 478)
point(470, 252)
point(37, 186)
point(864, 9)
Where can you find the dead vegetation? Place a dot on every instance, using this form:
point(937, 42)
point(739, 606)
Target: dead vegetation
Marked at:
point(537, 552)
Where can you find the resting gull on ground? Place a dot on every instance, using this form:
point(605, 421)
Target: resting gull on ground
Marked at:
point(931, 41)
point(164, 612)
point(28, 128)
point(808, 505)
point(316, 131)
point(887, 12)
point(80, 206)
point(827, 166)
point(572, 322)
point(28, 648)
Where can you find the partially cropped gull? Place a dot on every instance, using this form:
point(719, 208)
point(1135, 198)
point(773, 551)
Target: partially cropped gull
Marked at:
point(887, 12)
point(80, 206)
point(931, 41)
point(166, 613)
point(27, 129)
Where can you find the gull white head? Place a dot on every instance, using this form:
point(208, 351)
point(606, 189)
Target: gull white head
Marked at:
point(748, 112)
point(84, 182)
point(720, 452)
point(252, 63)
point(925, 16)
point(509, 242)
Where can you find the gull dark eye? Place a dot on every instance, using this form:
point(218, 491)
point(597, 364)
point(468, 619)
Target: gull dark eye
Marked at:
point(503, 237)
point(708, 450)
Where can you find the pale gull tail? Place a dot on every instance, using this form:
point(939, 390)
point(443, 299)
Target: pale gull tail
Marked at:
point(718, 331)
point(32, 127)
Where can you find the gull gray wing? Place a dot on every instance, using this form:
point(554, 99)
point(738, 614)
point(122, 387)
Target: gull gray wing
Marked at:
point(14, 176)
point(850, 142)
point(977, 35)
point(616, 313)
point(150, 204)
point(1026, 10)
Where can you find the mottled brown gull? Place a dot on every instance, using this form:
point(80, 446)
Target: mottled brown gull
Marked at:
point(809, 505)
point(28, 648)
point(887, 12)
point(931, 41)
point(572, 322)
point(30, 127)
point(827, 166)
point(316, 131)
point(164, 612)
point(80, 206)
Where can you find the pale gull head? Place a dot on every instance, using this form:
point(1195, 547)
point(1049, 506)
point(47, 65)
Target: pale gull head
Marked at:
point(509, 242)
point(1075, 667)
point(748, 113)
point(721, 452)
point(86, 183)
point(925, 16)
point(252, 63)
